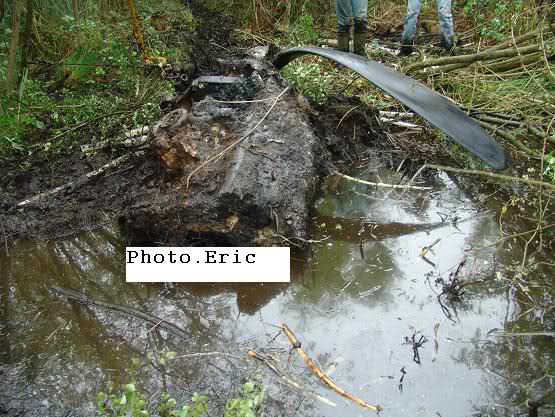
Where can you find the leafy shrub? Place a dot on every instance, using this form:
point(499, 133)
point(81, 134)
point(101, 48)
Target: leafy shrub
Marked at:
point(493, 17)
point(248, 404)
point(549, 170)
point(87, 79)
point(310, 78)
point(302, 31)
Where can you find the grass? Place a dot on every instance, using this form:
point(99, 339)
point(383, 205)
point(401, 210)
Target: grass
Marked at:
point(87, 80)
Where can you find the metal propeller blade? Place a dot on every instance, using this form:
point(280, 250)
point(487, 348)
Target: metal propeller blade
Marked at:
point(434, 107)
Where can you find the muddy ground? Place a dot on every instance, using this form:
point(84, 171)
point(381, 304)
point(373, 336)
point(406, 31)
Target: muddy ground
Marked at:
point(141, 185)
point(348, 318)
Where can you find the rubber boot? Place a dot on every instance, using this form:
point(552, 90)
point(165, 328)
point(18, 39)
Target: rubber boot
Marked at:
point(360, 36)
point(407, 47)
point(343, 37)
point(447, 44)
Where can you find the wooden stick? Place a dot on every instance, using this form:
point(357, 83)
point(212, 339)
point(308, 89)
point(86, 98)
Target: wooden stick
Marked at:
point(510, 138)
point(269, 363)
point(79, 181)
point(238, 140)
point(485, 174)
point(317, 371)
point(469, 59)
point(511, 43)
point(507, 44)
point(426, 249)
point(382, 184)
point(516, 62)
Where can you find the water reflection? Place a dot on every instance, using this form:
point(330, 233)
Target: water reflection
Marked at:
point(354, 297)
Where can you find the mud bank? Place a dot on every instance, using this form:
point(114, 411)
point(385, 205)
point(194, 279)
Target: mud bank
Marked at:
point(228, 164)
point(225, 185)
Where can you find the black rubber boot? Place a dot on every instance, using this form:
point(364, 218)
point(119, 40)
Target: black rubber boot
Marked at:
point(343, 37)
point(406, 47)
point(448, 45)
point(360, 36)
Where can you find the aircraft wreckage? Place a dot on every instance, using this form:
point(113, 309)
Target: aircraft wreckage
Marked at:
point(241, 162)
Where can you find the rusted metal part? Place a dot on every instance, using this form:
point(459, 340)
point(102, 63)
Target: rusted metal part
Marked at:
point(434, 107)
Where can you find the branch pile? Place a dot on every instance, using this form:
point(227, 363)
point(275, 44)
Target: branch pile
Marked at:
point(529, 50)
point(505, 88)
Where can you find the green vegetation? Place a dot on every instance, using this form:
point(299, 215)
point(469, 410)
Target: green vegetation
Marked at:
point(129, 401)
point(83, 77)
point(248, 404)
point(492, 18)
point(520, 86)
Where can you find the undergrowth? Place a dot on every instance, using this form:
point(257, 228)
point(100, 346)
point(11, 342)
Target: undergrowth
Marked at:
point(128, 400)
point(86, 79)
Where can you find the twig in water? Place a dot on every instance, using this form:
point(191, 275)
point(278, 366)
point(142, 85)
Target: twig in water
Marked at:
point(381, 184)
point(403, 373)
point(415, 344)
point(270, 364)
point(238, 140)
point(426, 249)
point(436, 343)
point(512, 237)
point(296, 345)
point(204, 354)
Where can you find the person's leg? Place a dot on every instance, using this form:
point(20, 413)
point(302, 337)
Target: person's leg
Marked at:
point(407, 40)
point(360, 14)
point(344, 12)
point(446, 24)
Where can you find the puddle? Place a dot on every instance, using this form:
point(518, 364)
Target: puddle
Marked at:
point(354, 298)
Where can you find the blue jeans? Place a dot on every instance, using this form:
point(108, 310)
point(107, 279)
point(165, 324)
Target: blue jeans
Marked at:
point(445, 21)
point(357, 9)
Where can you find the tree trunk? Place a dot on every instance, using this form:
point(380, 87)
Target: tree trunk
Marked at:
point(75, 8)
point(14, 43)
point(137, 26)
point(27, 35)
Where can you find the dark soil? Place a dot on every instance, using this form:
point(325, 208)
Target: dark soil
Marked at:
point(147, 198)
point(150, 198)
point(103, 197)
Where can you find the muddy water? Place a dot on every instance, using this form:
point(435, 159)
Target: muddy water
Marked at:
point(356, 295)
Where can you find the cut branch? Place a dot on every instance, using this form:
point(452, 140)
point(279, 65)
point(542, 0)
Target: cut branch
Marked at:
point(382, 184)
point(484, 174)
point(270, 364)
point(517, 62)
point(469, 59)
point(326, 379)
point(510, 138)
